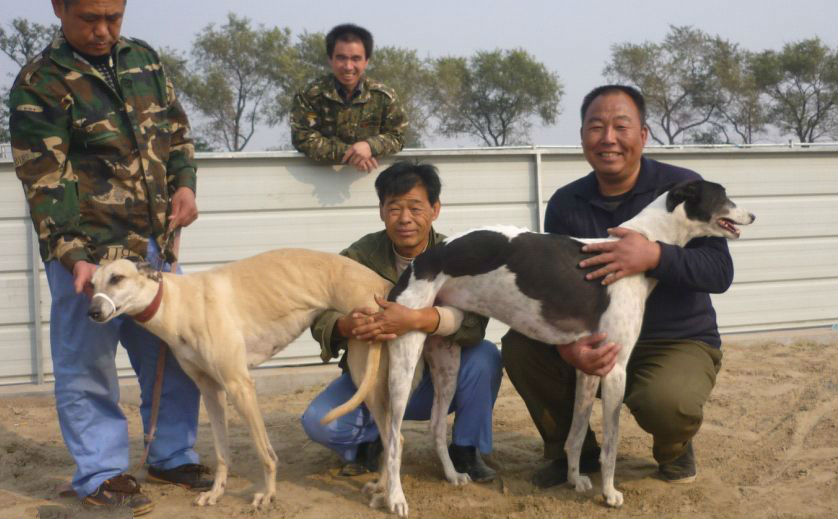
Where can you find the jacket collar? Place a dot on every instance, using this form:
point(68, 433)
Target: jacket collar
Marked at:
point(63, 54)
point(330, 91)
point(647, 180)
point(384, 259)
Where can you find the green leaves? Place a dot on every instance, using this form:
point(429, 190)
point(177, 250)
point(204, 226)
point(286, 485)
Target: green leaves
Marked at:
point(702, 88)
point(494, 95)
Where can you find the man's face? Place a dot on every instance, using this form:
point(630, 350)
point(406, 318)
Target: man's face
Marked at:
point(613, 137)
point(348, 61)
point(91, 26)
point(407, 219)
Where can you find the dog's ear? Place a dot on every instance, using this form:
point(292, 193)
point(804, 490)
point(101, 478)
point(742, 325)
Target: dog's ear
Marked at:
point(689, 191)
point(145, 268)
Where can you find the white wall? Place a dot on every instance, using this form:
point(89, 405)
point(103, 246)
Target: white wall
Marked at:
point(786, 263)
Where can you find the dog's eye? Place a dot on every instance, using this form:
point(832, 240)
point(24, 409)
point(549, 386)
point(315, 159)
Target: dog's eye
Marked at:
point(116, 278)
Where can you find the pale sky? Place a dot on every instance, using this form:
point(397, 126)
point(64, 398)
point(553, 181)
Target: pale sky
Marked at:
point(570, 38)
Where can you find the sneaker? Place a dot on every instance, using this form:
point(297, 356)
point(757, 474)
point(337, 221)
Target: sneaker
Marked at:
point(121, 491)
point(366, 459)
point(682, 470)
point(555, 472)
point(468, 460)
point(188, 476)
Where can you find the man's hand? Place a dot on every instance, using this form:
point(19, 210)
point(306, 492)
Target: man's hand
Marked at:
point(585, 356)
point(631, 254)
point(357, 317)
point(184, 208)
point(82, 275)
point(359, 155)
point(394, 320)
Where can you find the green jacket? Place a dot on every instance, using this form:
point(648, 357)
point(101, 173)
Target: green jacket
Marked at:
point(375, 251)
point(323, 125)
point(98, 167)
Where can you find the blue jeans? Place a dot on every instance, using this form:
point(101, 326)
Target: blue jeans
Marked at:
point(87, 389)
point(477, 388)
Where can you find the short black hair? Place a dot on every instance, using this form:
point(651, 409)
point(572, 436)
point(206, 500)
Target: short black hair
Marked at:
point(348, 32)
point(403, 176)
point(633, 93)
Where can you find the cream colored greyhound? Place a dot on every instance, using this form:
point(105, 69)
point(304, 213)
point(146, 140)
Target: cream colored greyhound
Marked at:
point(220, 322)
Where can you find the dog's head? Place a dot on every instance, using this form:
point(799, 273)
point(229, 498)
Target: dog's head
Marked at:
point(122, 287)
point(707, 208)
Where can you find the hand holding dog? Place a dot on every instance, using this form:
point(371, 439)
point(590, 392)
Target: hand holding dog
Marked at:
point(184, 208)
point(394, 320)
point(586, 356)
point(631, 254)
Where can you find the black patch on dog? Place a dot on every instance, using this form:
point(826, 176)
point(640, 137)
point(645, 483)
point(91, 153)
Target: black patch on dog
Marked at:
point(477, 252)
point(701, 199)
point(401, 284)
point(546, 269)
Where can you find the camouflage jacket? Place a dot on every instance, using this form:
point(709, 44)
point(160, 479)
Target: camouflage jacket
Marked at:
point(323, 125)
point(98, 167)
point(375, 251)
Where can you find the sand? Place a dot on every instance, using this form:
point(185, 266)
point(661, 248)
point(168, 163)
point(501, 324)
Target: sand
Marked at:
point(768, 448)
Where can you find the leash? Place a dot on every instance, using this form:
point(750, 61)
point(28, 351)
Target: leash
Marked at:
point(163, 349)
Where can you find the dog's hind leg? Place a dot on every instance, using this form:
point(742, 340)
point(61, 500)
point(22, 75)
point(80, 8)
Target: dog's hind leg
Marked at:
point(583, 403)
point(243, 395)
point(444, 360)
point(404, 353)
point(215, 402)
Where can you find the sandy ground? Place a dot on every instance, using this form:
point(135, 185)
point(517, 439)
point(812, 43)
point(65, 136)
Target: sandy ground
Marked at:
point(768, 448)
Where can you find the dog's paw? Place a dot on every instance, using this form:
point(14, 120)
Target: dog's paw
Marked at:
point(262, 500)
point(582, 483)
point(206, 498)
point(459, 479)
point(615, 499)
point(397, 504)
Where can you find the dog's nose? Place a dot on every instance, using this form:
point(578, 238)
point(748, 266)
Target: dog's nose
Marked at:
point(753, 217)
point(95, 314)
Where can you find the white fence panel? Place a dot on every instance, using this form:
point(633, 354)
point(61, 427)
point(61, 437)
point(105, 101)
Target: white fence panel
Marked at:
point(786, 264)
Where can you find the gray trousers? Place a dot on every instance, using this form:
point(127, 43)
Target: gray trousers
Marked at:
point(668, 382)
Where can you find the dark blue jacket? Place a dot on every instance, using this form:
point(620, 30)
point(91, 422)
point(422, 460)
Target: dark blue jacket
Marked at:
point(679, 307)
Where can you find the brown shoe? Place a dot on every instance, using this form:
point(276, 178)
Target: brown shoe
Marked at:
point(120, 491)
point(188, 476)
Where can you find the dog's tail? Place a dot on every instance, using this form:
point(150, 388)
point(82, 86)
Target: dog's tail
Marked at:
point(373, 361)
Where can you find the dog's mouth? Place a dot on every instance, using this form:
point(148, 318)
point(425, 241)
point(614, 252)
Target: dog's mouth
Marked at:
point(728, 225)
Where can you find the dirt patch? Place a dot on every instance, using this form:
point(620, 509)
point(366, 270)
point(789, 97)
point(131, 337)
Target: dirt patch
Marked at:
point(768, 448)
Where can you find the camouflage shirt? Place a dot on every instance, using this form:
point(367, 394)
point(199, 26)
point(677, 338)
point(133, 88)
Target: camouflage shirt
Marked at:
point(98, 166)
point(323, 125)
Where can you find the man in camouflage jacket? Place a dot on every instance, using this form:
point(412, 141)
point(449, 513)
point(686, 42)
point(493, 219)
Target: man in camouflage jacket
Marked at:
point(102, 148)
point(344, 116)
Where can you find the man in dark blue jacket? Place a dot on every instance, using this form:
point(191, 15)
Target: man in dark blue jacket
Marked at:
point(674, 364)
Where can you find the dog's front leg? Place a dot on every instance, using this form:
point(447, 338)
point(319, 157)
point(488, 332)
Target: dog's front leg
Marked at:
point(243, 394)
point(583, 402)
point(215, 402)
point(613, 390)
point(404, 353)
point(444, 361)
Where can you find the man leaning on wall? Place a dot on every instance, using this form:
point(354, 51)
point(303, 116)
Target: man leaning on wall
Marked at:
point(345, 117)
point(102, 148)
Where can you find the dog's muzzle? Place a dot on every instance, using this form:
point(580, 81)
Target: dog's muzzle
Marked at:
point(95, 312)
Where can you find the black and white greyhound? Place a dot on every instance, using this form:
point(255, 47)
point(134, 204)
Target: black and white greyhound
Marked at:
point(531, 282)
